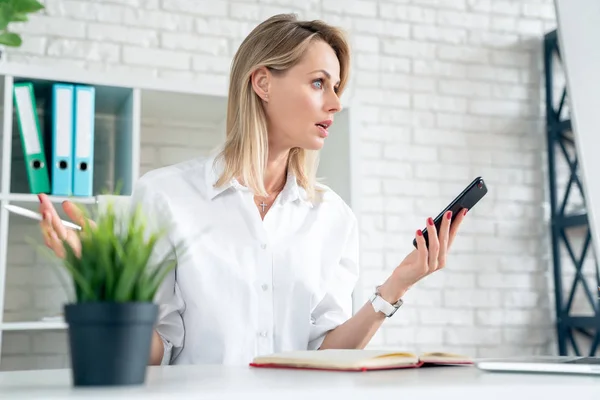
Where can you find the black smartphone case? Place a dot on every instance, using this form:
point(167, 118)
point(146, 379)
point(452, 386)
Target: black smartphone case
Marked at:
point(466, 199)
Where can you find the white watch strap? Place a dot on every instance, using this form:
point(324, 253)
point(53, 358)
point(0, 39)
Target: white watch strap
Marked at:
point(379, 304)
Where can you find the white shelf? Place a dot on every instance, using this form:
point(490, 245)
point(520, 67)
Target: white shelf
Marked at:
point(32, 198)
point(121, 80)
point(33, 326)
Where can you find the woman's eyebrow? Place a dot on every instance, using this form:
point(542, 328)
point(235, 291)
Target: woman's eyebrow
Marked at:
point(327, 74)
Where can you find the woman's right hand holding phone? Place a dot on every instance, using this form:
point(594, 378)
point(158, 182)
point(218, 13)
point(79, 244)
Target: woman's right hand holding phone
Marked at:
point(54, 231)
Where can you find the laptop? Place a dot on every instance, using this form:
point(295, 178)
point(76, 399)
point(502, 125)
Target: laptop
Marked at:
point(543, 364)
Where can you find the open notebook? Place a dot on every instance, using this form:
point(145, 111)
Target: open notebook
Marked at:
point(356, 360)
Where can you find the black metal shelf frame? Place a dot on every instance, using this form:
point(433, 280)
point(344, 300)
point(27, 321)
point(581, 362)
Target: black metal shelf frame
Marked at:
point(559, 139)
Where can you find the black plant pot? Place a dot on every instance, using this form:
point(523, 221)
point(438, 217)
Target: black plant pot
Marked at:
point(110, 342)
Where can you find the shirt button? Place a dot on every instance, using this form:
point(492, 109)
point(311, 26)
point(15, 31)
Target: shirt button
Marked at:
point(263, 246)
point(263, 334)
point(264, 286)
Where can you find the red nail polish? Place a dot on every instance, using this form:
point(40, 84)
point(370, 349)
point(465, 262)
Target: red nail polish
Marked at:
point(449, 215)
point(419, 233)
point(430, 221)
point(465, 212)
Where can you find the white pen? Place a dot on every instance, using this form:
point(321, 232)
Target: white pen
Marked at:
point(37, 216)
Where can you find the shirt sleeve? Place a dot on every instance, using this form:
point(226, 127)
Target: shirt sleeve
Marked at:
point(170, 323)
point(169, 326)
point(335, 307)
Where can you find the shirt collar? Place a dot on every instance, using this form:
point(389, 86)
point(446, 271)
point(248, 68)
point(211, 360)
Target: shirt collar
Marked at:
point(291, 190)
point(213, 169)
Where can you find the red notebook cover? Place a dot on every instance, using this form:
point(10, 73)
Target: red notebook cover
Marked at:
point(362, 369)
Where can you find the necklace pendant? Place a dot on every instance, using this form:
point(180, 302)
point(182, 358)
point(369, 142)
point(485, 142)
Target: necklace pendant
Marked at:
point(263, 205)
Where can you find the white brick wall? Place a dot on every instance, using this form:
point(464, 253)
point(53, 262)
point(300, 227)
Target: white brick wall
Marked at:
point(449, 89)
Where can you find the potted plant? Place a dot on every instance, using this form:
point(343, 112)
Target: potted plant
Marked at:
point(15, 11)
point(112, 316)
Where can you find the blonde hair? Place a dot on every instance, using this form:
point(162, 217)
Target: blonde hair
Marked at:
point(278, 43)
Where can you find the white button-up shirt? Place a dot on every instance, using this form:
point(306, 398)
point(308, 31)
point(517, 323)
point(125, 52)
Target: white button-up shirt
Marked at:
point(243, 286)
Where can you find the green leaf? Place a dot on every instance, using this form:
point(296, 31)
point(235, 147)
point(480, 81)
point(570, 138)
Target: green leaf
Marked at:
point(131, 272)
point(10, 39)
point(19, 17)
point(105, 260)
point(26, 6)
point(150, 288)
point(85, 291)
point(6, 15)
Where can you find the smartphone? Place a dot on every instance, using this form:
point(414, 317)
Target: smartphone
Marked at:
point(466, 199)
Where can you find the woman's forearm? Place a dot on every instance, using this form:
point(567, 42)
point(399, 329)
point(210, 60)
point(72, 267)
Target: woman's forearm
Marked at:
point(157, 349)
point(358, 331)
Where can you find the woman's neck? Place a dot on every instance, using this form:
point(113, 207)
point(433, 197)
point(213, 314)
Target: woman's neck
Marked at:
point(276, 172)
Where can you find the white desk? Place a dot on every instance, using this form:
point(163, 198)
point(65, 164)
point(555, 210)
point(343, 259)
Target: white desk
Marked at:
point(245, 383)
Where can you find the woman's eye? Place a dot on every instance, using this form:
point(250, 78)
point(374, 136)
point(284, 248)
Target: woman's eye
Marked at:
point(318, 83)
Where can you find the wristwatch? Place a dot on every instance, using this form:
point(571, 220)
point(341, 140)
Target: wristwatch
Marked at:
point(381, 305)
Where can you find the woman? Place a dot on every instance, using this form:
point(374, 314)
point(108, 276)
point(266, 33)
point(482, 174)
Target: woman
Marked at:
point(273, 256)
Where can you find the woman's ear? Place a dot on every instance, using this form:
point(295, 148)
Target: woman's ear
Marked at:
point(261, 80)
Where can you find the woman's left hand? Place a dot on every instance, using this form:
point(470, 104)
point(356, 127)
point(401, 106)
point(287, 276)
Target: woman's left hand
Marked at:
point(423, 261)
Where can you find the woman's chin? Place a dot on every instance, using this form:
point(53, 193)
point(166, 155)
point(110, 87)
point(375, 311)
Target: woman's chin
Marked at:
point(315, 144)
